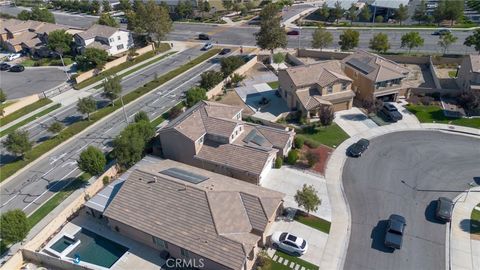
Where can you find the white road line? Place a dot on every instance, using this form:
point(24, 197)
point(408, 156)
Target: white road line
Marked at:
point(81, 148)
point(43, 193)
point(9, 200)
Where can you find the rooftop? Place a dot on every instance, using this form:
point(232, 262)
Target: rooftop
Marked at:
point(475, 62)
point(322, 73)
point(98, 30)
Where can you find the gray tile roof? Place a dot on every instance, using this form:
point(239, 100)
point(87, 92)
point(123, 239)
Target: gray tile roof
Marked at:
point(322, 73)
point(98, 30)
point(474, 62)
point(213, 219)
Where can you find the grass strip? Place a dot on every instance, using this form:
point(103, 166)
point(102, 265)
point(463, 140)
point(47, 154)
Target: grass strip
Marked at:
point(28, 120)
point(296, 260)
point(475, 221)
point(434, 114)
point(274, 85)
point(313, 221)
point(9, 169)
point(23, 111)
point(57, 199)
point(112, 71)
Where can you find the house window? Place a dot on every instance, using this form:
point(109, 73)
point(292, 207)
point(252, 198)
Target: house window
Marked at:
point(184, 253)
point(330, 89)
point(119, 38)
point(200, 141)
point(344, 86)
point(233, 136)
point(112, 40)
point(119, 47)
point(160, 243)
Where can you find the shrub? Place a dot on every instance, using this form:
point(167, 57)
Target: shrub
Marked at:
point(312, 158)
point(298, 142)
point(278, 163)
point(426, 100)
point(326, 115)
point(311, 143)
point(292, 157)
point(14, 226)
point(106, 180)
point(174, 112)
point(263, 260)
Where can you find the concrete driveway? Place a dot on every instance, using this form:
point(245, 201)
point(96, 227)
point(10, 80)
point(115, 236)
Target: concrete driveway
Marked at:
point(288, 180)
point(316, 239)
point(353, 121)
point(408, 117)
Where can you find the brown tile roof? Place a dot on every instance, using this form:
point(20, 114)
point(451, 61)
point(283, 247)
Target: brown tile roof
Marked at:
point(98, 45)
point(23, 37)
point(474, 62)
point(47, 28)
point(375, 67)
point(195, 216)
point(276, 137)
point(23, 26)
point(7, 23)
point(98, 30)
point(322, 73)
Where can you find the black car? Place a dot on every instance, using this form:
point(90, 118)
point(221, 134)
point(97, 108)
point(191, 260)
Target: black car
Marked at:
point(17, 68)
point(357, 149)
point(391, 112)
point(293, 33)
point(225, 51)
point(395, 230)
point(203, 37)
point(441, 32)
point(4, 66)
point(444, 209)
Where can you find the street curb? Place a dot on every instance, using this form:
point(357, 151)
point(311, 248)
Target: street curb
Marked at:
point(95, 124)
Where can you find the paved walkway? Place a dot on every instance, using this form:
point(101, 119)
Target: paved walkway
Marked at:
point(336, 248)
point(464, 251)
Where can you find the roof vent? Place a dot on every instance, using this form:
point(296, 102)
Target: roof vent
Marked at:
point(152, 181)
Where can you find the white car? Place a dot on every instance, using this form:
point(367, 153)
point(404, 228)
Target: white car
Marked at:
point(207, 46)
point(13, 56)
point(289, 243)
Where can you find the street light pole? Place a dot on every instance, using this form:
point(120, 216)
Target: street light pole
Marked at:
point(123, 108)
point(63, 64)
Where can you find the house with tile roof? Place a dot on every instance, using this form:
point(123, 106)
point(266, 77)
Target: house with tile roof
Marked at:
point(375, 76)
point(190, 213)
point(309, 88)
point(468, 77)
point(111, 39)
point(213, 136)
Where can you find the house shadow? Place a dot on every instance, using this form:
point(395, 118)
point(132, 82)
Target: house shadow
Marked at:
point(378, 237)
point(354, 117)
point(476, 179)
point(430, 213)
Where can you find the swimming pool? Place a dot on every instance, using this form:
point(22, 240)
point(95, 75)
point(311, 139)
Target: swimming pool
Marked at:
point(62, 244)
point(96, 249)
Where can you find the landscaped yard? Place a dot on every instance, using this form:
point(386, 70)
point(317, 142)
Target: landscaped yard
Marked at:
point(475, 221)
point(331, 136)
point(281, 266)
point(313, 221)
point(273, 85)
point(434, 114)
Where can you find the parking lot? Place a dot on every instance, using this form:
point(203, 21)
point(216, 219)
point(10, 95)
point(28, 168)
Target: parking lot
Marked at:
point(32, 81)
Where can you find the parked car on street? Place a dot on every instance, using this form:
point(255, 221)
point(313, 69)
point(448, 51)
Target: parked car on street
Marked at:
point(293, 33)
point(207, 46)
point(203, 37)
point(225, 51)
point(444, 209)
point(13, 56)
point(289, 243)
point(441, 32)
point(391, 112)
point(4, 66)
point(17, 68)
point(357, 149)
point(395, 231)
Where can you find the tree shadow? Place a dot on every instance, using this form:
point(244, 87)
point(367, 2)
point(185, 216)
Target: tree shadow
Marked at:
point(43, 138)
point(6, 158)
point(72, 119)
point(103, 103)
point(378, 237)
point(65, 185)
point(430, 213)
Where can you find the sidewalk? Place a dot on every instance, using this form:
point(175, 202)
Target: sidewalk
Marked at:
point(335, 250)
point(464, 251)
point(18, 120)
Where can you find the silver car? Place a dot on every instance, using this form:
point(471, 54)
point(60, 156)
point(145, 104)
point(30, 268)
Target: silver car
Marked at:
point(289, 243)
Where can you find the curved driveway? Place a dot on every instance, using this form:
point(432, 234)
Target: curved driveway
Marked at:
point(431, 164)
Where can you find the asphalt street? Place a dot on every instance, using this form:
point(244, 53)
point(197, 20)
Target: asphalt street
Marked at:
point(403, 173)
point(32, 187)
point(32, 81)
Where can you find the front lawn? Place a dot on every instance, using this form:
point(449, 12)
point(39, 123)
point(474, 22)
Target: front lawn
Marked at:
point(475, 221)
point(313, 221)
point(280, 265)
point(331, 136)
point(434, 114)
point(274, 85)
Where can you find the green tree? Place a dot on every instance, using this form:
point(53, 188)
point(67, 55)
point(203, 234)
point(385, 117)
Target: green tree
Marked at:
point(112, 88)
point(42, 15)
point(401, 14)
point(14, 226)
point(230, 64)
point(210, 79)
point(321, 38)
point(352, 14)
point(349, 39)
point(271, 35)
point(278, 163)
point(236, 78)
point(60, 41)
point(184, 9)
point(150, 19)
point(278, 58)
point(124, 5)
point(420, 13)
point(141, 116)
point(379, 43)
point(439, 12)
point(473, 40)
point(106, 6)
point(24, 15)
point(307, 198)
point(86, 106)
point(194, 95)
point(95, 7)
point(324, 12)
point(326, 115)
point(251, 5)
point(292, 157)
point(107, 19)
point(337, 12)
point(18, 142)
point(130, 145)
point(454, 10)
point(3, 96)
point(411, 40)
point(379, 19)
point(227, 4)
point(447, 40)
point(92, 58)
point(365, 14)
point(55, 127)
point(92, 161)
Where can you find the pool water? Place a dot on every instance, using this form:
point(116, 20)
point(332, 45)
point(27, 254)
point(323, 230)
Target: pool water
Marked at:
point(62, 244)
point(96, 249)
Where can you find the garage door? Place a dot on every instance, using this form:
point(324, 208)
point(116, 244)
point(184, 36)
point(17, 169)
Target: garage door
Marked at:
point(340, 106)
point(268, 168)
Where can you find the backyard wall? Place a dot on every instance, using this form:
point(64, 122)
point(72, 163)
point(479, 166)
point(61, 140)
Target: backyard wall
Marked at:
point(45, 260)
point(20, 104)
point(294, 60)
point(442, 91)
point(88, 74)
point(433, 71)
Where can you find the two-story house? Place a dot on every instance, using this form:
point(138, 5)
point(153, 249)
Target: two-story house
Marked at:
point(213, 136)
point(307, 88)
point(375, 76)
point(468, 77)
point(111, 39)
